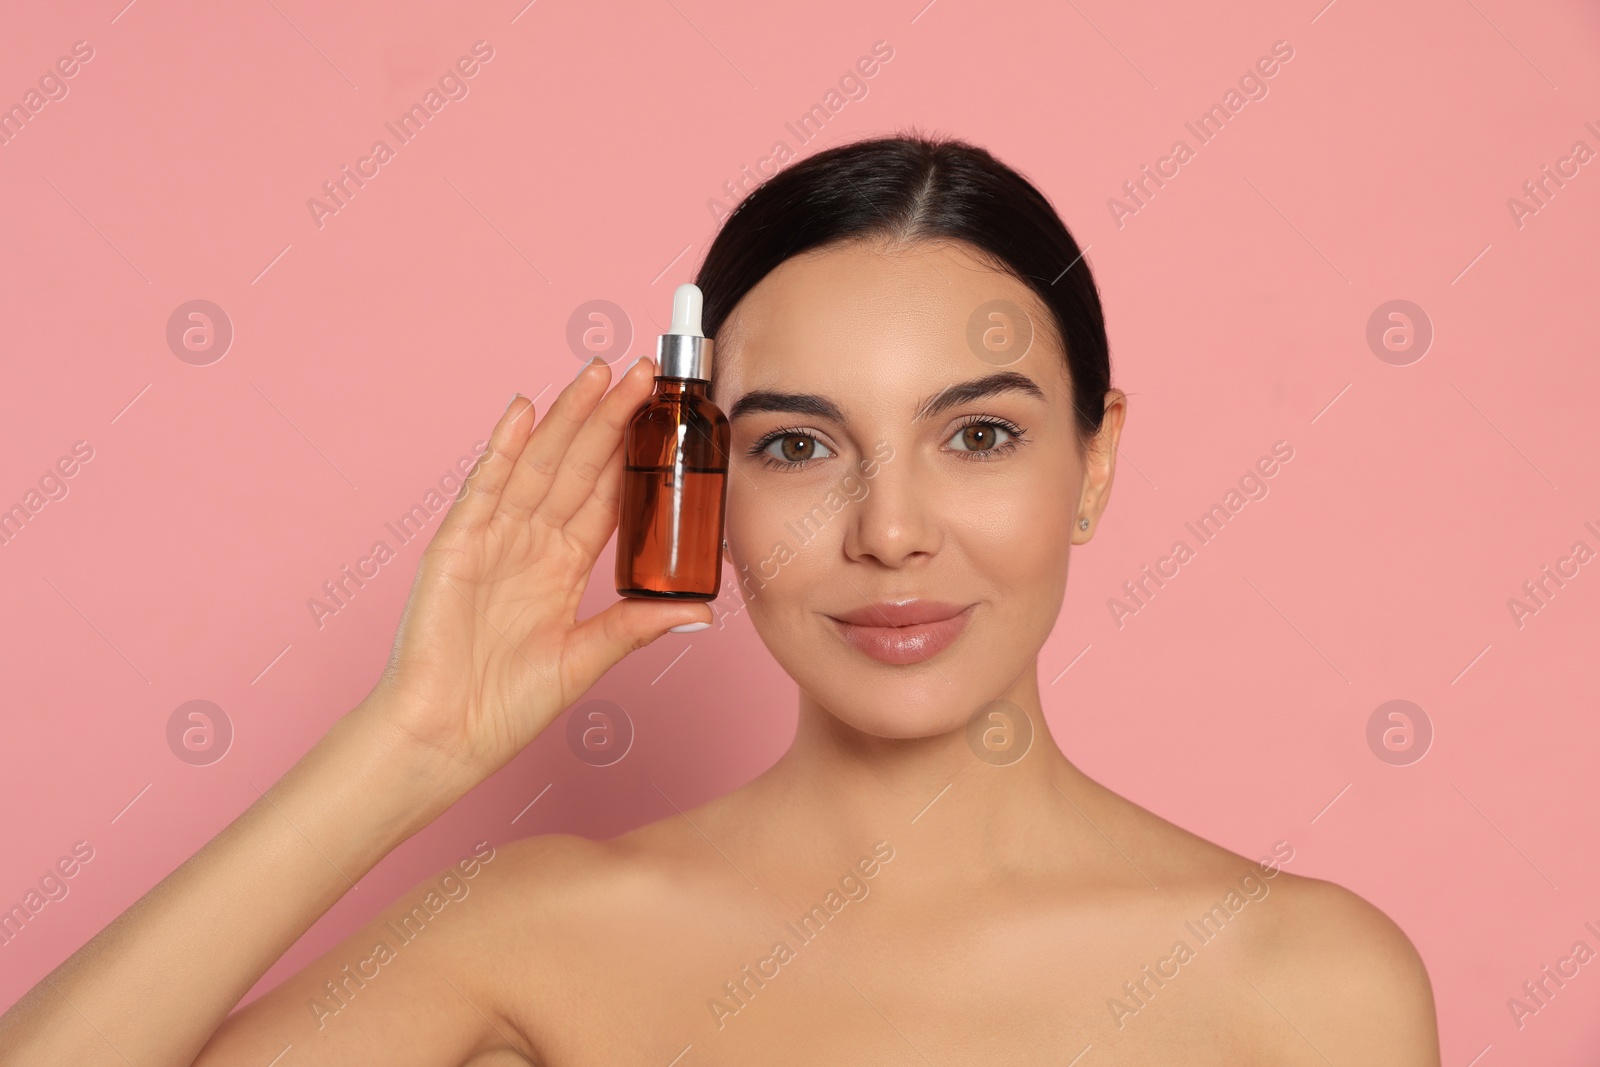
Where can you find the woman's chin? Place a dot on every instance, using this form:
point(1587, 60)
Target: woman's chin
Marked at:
point(901, 728)
point(895, 710)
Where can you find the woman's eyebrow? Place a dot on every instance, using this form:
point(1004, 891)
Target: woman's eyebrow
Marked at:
point(759, 400)
point(1008, 381)
point(821, 407)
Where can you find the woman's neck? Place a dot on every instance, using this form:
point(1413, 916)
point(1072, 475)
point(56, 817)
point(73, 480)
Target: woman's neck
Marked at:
point(968, 788)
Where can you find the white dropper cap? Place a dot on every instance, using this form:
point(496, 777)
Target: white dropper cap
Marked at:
point(684, 351)
point(687, 301)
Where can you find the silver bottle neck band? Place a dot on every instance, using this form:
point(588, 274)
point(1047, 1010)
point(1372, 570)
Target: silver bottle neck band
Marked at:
point(680, 355)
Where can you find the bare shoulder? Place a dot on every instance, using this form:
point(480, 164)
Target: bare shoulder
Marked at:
point(1321, 970)
point(578, 933)
point(554, 875)
point(537, 886)
point(1343, 974)
point(546, 862)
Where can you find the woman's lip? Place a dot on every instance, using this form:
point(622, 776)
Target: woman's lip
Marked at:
point(899, 645)
point(912, 612)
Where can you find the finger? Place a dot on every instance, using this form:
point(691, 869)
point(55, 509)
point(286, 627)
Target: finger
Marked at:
point(591, 527)
point(535, 468)
point(588, 455)
point(599, 642)
point(480, 495)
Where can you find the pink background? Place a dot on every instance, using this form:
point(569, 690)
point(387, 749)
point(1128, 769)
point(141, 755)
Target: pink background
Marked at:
point(370, 353)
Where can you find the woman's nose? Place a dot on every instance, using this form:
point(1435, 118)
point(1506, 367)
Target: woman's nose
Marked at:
point(896, 521)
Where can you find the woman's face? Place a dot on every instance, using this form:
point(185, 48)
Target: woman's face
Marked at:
point(888, 445)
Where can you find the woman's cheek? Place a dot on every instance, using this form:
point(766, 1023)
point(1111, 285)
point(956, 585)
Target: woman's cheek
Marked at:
point(1021, 532)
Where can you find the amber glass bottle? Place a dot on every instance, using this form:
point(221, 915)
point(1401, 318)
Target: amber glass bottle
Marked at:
point(675, 472)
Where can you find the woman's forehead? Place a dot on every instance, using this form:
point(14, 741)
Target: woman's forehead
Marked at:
point(873, 315)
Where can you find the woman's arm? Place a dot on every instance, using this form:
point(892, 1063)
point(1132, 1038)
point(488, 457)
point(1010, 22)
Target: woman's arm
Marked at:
point(152, 986)
point(489, 652)
point(444, 974)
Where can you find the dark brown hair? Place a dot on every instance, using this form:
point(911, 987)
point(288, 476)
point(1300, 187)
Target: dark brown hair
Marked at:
point(913, 187)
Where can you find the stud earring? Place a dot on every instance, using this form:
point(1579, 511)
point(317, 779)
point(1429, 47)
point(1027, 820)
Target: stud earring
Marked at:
point(724, 546)
point(1083, 524)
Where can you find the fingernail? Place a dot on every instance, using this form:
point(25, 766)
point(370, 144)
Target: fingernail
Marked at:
point(512, 401)
point(589, 363)
point(691, 627)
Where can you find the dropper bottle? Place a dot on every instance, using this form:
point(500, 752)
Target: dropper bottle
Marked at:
point(675, 471)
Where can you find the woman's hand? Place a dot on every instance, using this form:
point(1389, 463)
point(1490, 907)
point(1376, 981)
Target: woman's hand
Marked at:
point(490, 649)
point(489, 652)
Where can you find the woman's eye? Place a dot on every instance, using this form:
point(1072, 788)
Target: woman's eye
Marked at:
point(796, 448)
point(979, 437)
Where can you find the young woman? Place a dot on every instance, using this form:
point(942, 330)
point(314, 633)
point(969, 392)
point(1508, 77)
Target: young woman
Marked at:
point(923, 877)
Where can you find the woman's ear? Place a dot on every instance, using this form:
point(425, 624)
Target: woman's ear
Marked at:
point(1100, 467)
